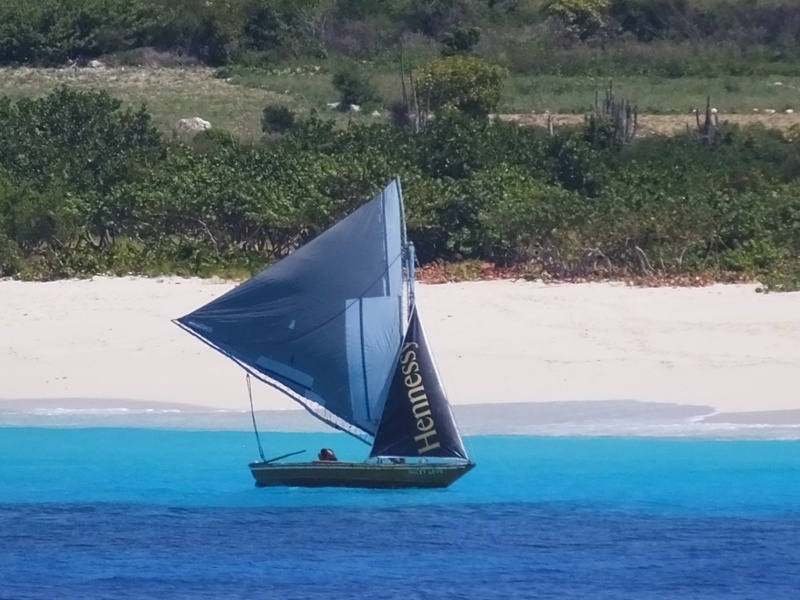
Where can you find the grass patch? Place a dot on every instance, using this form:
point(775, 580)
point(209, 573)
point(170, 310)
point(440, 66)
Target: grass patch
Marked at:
point(169, 94)
point(235, 103)
point(525, 93)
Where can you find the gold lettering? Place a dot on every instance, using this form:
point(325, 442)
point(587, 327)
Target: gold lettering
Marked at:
point(420, 410)
point(413, 381)
point(408, 345)
point(424, 422)
point(428, 446)
point(410, 368)
point(417, 394)
point(407, 356)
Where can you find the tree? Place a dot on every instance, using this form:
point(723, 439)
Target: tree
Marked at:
point(466, 84)
point(460, 40)
point(287, 27)
point(354, 89)
point(582, 19)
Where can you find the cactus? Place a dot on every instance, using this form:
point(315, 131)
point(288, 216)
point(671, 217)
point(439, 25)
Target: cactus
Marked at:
point(612, 121)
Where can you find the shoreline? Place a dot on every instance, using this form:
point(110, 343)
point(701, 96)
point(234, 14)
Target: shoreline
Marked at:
point(722, 347)
point(543, 419)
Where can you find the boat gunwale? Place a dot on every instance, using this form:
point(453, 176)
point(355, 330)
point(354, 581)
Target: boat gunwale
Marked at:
point(359, 474)
point(351, 465)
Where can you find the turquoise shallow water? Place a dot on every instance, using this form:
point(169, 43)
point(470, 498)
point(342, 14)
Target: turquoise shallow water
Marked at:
point(209, 468)
point(142, 513)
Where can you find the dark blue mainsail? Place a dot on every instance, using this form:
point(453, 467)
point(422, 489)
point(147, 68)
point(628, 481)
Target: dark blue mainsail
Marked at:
point(333, 325)
point(324, 324)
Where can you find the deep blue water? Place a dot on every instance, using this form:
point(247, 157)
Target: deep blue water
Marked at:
point(153, 513)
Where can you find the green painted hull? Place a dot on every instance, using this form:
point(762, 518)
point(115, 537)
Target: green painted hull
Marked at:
point(358, 475)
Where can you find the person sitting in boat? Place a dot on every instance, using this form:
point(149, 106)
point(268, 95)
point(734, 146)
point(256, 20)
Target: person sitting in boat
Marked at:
point(327, 455)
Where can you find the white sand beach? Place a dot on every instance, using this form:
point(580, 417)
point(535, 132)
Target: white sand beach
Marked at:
point(109, 342)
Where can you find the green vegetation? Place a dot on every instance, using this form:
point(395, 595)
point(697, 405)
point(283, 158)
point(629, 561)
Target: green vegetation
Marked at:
point(277, 119)
point(665, 38)
point(237, 105)
point(88, 186)
point(90, 182)
point(461, 83)
point(354, 89)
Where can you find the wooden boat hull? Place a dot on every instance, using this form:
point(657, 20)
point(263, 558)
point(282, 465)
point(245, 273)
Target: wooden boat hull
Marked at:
point(358, 475)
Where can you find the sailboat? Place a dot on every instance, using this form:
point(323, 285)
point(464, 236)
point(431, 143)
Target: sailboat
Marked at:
point(334, 325)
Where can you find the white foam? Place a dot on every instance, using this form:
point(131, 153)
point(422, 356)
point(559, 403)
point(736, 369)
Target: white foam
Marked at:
point(100, 411)
point(603, 418)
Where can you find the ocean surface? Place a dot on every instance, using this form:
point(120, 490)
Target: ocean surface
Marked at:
point(90, 509)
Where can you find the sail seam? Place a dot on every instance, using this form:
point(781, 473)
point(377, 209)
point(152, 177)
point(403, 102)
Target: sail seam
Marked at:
point(384, 222)
point(363, 356)
point(348, 306)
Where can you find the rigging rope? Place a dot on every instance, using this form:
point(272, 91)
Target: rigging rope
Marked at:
point(253, 414)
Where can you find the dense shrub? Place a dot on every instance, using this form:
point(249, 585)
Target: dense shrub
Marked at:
point(54, 31)
point(467, 84)
point(88, 187)
point(277, 118)
point(580, 19)
point(587, 37)
point(82, 141)
point(354, 88)
point(284, 28)
point(460, 40)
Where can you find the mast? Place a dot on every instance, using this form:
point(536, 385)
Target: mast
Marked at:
point(409, 258)
point(403, 232)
